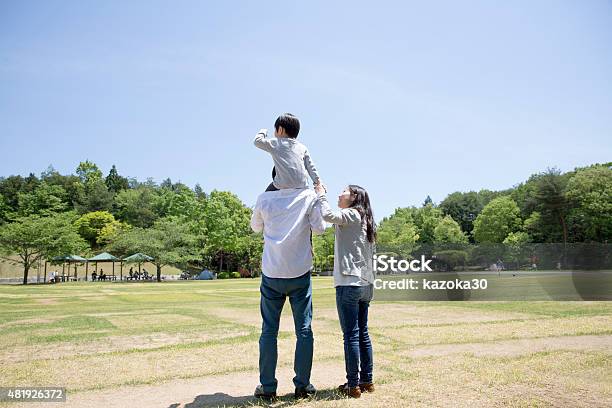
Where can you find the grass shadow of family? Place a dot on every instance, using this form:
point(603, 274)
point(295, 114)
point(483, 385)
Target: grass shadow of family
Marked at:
point(221, 399)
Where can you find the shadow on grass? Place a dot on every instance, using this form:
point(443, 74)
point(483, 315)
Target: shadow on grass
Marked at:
point(221, 399)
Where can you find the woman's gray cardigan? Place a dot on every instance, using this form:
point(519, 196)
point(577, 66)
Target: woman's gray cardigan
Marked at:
point(353, 250)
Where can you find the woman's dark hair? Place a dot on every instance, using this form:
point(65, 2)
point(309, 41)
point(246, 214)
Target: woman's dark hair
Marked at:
point(290, 123)
point(362, 204)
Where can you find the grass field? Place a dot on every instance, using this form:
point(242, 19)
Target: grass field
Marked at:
point(194, 344)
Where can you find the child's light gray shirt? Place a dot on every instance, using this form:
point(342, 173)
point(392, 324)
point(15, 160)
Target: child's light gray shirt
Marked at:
point(291, 160)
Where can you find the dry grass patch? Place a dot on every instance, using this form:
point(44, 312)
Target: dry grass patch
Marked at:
point(402, 314)
point(470, 333)
point(518, 347)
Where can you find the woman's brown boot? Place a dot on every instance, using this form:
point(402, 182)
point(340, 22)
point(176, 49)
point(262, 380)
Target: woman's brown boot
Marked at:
point(366, 387)
point(353, 392)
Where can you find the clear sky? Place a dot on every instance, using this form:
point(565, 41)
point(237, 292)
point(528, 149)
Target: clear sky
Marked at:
point(404, 98)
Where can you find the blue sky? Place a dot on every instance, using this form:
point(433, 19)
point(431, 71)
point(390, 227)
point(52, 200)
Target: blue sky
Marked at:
point(404, 98)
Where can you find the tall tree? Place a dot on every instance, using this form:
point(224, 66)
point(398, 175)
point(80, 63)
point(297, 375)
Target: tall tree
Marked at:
point(33, 238)
point(551, 202)
point(69, 183)
point(225, 220)
point(589, 191)
point(115, 182)
point(4, 210)
point(426, 219)
point(463, 208)
point(448, 231)
point(179, 201)
point(323, 247)
point(249, 251)
point(44, 200)
point(199, 192)
point(498, 219)
point(516, 243)
point(136, 206)
point(524, 194)
point(398, 233)
point(167, 183)
point(94, 196)
point(91, 225)
point(169, 241)
point(88, 172)
point(10, 187)
point(30, 183)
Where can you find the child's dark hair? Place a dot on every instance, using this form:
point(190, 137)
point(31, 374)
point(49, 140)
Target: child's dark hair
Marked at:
point(290, 123)
point(362, 204)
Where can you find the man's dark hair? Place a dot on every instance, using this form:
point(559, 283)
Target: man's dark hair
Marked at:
point(290, 123)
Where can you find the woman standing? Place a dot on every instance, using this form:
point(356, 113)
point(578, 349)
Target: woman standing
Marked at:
point(353, 278)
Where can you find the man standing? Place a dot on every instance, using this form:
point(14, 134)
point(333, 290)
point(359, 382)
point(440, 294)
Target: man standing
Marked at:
point(286, 218)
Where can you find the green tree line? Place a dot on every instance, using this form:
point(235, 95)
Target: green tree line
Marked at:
point(86, 212)
point(550, 207)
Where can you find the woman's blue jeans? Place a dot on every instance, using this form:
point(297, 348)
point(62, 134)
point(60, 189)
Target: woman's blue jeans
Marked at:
point(352, 303)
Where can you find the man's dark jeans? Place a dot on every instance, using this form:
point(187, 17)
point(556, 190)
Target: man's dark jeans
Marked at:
point(271, 186)
point(274, 291)
point(352, 303)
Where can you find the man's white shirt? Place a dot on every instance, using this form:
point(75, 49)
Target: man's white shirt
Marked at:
point(286, 218)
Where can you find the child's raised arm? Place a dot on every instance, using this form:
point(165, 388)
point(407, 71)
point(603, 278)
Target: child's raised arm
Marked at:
point(262, 142)
point(311, 168)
